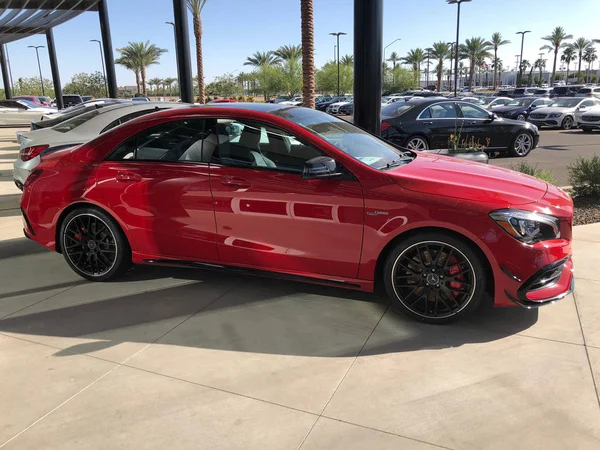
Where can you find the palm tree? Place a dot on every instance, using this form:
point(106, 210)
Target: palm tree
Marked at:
point(289, 53)
point(347, 60)
point(589, 56)
point(308, 53)
point(414, 58)
point(541, 65)
point(474, 50)
point(495, 43)
point(579, 47)
point(130, 63)
point(568, 56)
point(169, 82)
point(290, 57)
point(498, 67)
point(525, 64)
point(440, 51)
point(556, 40)
point(195, 6)
point(140, 55)
point(260, 59)
point(155, 82)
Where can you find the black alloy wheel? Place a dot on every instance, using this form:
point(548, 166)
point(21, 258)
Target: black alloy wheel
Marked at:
point(435, 280)
point(94, 245)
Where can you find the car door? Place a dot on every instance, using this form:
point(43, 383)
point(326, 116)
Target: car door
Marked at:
point(269, 217)
point(438, 122)
point(493, 134)
point(538, 104)
point(157, 183)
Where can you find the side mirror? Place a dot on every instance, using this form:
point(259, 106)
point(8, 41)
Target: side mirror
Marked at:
point(582, 108)
point(492, 116)
point(320, 167)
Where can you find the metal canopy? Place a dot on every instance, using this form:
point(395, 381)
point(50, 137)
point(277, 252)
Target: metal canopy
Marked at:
point(23, 18)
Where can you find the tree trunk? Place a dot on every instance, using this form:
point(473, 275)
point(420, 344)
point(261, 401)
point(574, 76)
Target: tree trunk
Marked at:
point(567, 78)
point(530, 80)
point(495, 67)
point(144, 80)
point(308, 53)
point(471, 73)
point(199, 61)
point(137, 81)
point(553, 67)
point(579, 68)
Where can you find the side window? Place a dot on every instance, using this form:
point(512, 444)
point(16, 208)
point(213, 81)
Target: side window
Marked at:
point(179, 140)
point(472, 112)
point(253, 144)
point(587, 103)
point(426, 114)
point(443, 111)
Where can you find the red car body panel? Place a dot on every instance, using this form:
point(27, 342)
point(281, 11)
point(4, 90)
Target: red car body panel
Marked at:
point(333, 231)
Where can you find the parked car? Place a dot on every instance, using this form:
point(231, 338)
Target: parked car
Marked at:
point(76, 131)
point(71, 100)
point(35, 99)
point(520, 108)
point(139, 98)
point(294, 101)
point(588, 92)
point(504, 93)
point(428, 123)
point(322, 106)
point(318, 199)
point(494, 102)
point(346, 109)
point(589, 119)
point(20, 112)
point(87, 98)
point(523, 92)
point(335, 107)
point(543, 92)
point(565, 91)
point(561, 113)
point(475, 100)
point(49, 120)
point(282, 98)
point(221, 100)
point(322, 98)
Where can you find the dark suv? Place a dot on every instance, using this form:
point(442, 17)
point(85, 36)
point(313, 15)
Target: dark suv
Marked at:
point(565, 91)
point(72, 100)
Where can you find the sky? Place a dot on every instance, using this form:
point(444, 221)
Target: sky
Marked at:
point(235, 29)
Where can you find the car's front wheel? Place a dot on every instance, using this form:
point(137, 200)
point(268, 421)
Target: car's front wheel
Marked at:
point(522, 144)
point(567, 123)
point(94, 245)
point(435, 277)
point(521, 117)
point(417, 143)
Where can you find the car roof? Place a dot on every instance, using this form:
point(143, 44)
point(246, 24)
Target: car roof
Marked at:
point(261, 107)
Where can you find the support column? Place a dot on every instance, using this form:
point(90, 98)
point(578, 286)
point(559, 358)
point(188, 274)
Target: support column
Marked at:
point(54, 67)
point(368, 44)
point(109, 59)
point(182, 45)
point(5, 74)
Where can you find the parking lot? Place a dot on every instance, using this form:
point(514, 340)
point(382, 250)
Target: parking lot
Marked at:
point(176, 358)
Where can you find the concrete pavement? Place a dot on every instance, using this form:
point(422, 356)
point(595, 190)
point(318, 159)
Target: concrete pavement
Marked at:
point(175, 358)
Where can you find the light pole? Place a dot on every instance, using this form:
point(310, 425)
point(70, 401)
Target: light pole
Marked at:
point(39, 65)
point(334, 47)
point(451, 44)
point(522, 33)
point(338, 34)
point(384, 77)
point(102, 59)
point(427, 74)
point(457, 2)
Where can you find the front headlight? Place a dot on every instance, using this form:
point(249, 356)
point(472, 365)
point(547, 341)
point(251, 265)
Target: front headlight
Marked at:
point(553, 115)
point(526, 226)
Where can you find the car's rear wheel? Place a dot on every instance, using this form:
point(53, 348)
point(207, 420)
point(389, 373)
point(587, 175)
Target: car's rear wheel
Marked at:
point(94, 245)
point(522, 144)
point(521, 117)
point(435, 277)
point(417, 143)
point(567, 123)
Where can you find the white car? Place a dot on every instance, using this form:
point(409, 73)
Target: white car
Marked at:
point(334, 108)
point(294, 102)
point(562, 112)
point(75, 131)
point(81, 107)
point(21, 112)
point(494, 102)
point(588, 91)
point(589, 119)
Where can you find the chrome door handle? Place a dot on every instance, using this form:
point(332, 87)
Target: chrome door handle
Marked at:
point(235, 181)
point(128, 177)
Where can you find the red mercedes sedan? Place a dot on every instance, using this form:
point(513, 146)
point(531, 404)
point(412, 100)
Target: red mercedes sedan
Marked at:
point(301, 194)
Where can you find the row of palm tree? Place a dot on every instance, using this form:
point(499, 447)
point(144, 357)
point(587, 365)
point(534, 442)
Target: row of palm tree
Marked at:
point(164, 83)
point(137, 56)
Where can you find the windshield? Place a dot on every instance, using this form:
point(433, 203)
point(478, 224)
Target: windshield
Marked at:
point(521, 102)
point(566, 102)
point(353, 141)
point(73, 123)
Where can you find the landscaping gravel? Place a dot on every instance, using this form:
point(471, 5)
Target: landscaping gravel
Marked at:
point(587, 210)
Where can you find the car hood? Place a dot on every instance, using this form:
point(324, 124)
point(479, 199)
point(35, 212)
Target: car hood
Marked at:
point(456, 178)
point(554, 109)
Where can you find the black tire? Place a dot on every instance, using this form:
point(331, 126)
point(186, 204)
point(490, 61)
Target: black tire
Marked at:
point(423, 144)
point(521, 117)
point(516, 149)
point(452, 298)
point(586, 130)
point(567, 123)
point(94, 245)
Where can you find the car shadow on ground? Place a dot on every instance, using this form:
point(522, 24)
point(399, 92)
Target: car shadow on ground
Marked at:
point(221, 311)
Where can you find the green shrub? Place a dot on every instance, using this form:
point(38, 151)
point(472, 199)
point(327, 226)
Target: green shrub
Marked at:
point(584, 175)
point(240, 98)
point(250, 99)
point(528, 169)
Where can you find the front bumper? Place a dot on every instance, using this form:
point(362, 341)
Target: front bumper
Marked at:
point(594, 125)
point(545, 122)
point(550, 284)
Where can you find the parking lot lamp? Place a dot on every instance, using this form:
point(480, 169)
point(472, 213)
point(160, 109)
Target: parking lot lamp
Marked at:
point(102, 59)
point(457, 2)
point(338, 34)
point(522, 33)
point(37, 47)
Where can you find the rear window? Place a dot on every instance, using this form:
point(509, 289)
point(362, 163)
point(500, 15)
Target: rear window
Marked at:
point(541, 91)
point(584, 91)
point(73, 123)
point(519, 91)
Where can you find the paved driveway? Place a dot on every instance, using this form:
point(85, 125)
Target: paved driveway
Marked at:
point(175, 358)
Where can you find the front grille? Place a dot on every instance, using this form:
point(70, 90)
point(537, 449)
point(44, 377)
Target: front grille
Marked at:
point(538, 116)
point(591, 118)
